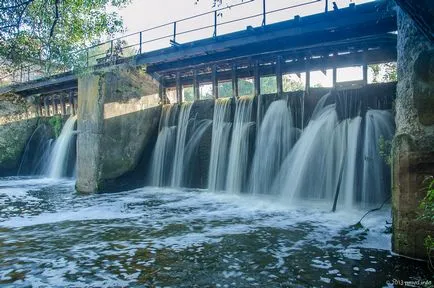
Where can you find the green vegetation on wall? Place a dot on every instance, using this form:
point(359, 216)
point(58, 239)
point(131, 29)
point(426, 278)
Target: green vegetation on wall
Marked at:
point(56, 124)
point(385, 150)
point(427, 213)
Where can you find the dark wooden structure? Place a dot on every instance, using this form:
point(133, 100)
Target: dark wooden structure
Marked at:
point(356, 35)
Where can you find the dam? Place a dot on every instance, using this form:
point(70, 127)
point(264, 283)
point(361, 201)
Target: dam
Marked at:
point(219, 163)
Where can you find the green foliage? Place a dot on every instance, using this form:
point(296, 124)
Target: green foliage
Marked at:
point(47, 32)
point(56, 124)
point(384, 149)
point(388, 71)
point(427, 204)
point(426, 208)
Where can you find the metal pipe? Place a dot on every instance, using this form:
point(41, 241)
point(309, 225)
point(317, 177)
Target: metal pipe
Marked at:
point(140, 46)
point(174, 31)
point(215, 24)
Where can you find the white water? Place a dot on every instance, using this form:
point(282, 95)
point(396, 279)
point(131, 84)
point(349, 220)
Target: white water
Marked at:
point(376, 180)
point(181, 139)
point(239, 150)
point(221, 130)
point(274, 141)
point(58, 162)
point(162, 157)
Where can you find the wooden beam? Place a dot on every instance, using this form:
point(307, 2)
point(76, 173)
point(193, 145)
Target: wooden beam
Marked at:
point(71, 102)
point(279, 79)
point(234, 81)
point(346, 60)
point(257, 78)
point(178, 87)
point(53, 99)
point(161, 90)
point(47, 109)
point(62, 105)
point(215, 84)
point(365, 74)
point(195, 85)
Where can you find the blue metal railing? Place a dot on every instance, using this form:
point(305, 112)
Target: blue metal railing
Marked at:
point(111, 50)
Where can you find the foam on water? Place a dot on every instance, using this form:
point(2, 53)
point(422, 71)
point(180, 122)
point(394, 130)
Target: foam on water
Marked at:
point(94, 240)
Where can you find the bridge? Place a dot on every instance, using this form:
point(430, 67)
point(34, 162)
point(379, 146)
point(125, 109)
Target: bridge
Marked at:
point(354, 35)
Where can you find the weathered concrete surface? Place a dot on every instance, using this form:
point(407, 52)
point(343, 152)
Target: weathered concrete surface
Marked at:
point(118, 115)
point(17, 123)
point(413, 147)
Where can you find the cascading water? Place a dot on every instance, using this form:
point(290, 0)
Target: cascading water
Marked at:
point(274, 141)
point(36, 153)
point(325, 163)
point(181, 139)
point(58, 163)
point(162, 157)
point(239, 149)
point(379, 126)
point(199, 127)
point(221, 130)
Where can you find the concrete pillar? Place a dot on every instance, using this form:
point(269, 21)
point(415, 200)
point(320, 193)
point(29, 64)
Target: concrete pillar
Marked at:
point(413, 145)
point(118, 116)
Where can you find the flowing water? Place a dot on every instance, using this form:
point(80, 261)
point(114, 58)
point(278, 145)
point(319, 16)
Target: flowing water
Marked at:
point(221, 130)
point(53, 237)
point(58, 164)
point(280, 232)
point(239, 148)
point(275, 139)
point(162, 157)
point(181, 142)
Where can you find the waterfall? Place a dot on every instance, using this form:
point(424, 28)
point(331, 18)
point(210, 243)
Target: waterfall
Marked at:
point(221, 130)
point(323, 163)
point(191, 149)
point(162, 157)
point(274, 141)
point(181, 136)
point(58, 163)
point(376, 178)
point(36, 153)
point(239, 148)
point(302, 170)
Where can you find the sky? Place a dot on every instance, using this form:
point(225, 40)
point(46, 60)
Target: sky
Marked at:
point(144, 14)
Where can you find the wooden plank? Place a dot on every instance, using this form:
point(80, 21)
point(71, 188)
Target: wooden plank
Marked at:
point(234, 81)
point(195, 85)
point(257, 79)
point(178, 87)
point(62, 105)
point(358, 58)
point(365, 74)
point(334, 77)
point(279, 79)
point(214, 79)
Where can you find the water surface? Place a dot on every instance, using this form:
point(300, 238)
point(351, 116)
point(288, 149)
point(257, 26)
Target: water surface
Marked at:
point(50, 236)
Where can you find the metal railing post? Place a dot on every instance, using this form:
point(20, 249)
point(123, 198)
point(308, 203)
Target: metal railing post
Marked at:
point(111, 49)
point(174, 32)
point(21, 73)
point(215, 24)
point(140, 46)
point(326, 6)
point(264, 14)
point(87, 57)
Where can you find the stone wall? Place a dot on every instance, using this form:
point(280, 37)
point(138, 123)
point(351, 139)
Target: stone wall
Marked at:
point(17, 123)
point(413, 147)
point(118, 114)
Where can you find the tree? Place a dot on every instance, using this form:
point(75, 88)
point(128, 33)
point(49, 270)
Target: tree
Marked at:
point(49, 32)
